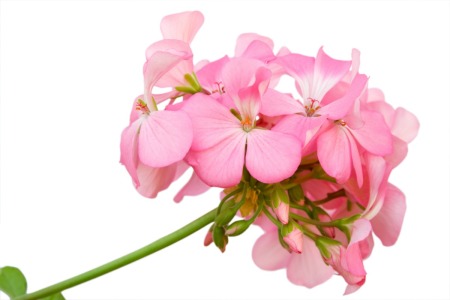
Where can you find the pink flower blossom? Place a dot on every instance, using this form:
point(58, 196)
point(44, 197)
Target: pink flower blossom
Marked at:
point(224, 143)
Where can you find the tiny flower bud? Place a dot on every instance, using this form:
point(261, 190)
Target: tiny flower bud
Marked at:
point(208, 238)
point(295, 240)
point(280, 204)
point(282, 212)
point(219, 238)
point(238, 227)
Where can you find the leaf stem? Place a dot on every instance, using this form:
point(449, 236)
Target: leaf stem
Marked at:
point(124, 260)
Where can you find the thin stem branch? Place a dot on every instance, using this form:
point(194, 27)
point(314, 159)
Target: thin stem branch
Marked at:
point(124, 260)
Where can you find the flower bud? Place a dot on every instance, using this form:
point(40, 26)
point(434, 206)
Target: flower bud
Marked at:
point(280, 204)
point(219, 238)
point(282, 212)
point(238, 227)
point(295, 240)
point(209, 237)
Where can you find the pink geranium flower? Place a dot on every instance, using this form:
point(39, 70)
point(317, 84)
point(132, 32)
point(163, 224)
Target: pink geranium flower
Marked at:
point(223, 143)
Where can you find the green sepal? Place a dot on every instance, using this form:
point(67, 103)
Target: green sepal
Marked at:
point(227, 212)
point(185, 89)
point(323, 243)
point(296, 193)
point(12, 282)
point(219, 237)
point(193, 81)
point(238, 227)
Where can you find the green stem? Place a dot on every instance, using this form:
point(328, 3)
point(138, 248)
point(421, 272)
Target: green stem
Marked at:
point(124, 260)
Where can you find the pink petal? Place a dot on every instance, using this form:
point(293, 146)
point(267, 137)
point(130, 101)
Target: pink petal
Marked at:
point(182, 26)
point(165, 137)
point(301, 68)
point(211, 121)
point(387, 224)
point(308, 269)
point(356, 160)
point(272, 156)
point(406, 125)
point(154, 180)
point(129, 150)
point(375, 135)
point(400, 149)
point(167, 63)
point(376, 167)
point(244, 40)
point(195, 186)
point(274, 103)
point(337, 109)
point(333, 151)
point(327, 73)
point(354, 264)
point(268, 254)
point(221, 165)
point(210, 75)
point(259, 50)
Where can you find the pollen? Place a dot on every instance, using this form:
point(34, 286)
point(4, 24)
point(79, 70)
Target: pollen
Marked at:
point(247, 124)
point(142, 107)
point(312, 108)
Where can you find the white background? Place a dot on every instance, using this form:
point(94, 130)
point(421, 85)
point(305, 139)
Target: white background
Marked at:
point(69, 73)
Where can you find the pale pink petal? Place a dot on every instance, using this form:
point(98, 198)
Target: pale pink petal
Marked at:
point(259, 50)
point(153, 180)
point(304, 128)
point(356, 160)
point(351, 288)
point(375, 95)
point(274, 103)
point(405, 125)
point(337, 109)
point(244, 40)
point(195, 186)
point(398, 154)
point(327, 73)
point(165, 137)
point(182, 26)
point(376, 167)
point(387, 224)
point(161, 64)
point(211, 121)
point(210, 75)
point(333, 151)
point(366, 246)
point(222, 164)
point(375, 135)
point(272, 156)
point(308, 269)
point(268, 254)
point(129, 150)
point(301, 68)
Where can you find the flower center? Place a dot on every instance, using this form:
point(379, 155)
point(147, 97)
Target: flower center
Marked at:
point(142, 107)
point(247, 124)
point(220, 88)
point(312, 108)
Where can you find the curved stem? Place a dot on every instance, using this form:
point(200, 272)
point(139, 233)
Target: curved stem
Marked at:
point(124, 260)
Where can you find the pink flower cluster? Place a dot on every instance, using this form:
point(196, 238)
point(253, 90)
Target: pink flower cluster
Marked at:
point(311, 169)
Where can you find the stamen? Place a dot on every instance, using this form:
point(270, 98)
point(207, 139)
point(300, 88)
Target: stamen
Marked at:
point(312, 108)
point(142, 106)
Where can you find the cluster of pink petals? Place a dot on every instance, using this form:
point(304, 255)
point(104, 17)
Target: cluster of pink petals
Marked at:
point(226, 116)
